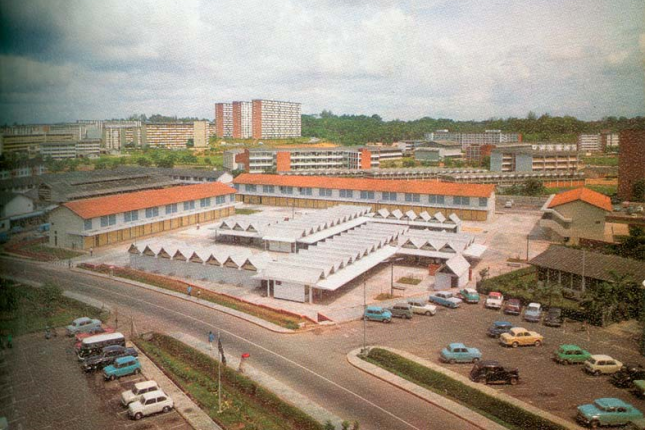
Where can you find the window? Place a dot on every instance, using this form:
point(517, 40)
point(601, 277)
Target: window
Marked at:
point(189, 205)
point(465, 201)
point(205, 202)
point(389, 196)
point(251, 188)
point(348, 194)
point(152, 212)
point(220, 200)
point(412, 197)
point(286, 190)
point(131, 216)
point(171, 209)
point(432, 198)
point(324, 192)
point(483, 201)
point(232, 196)
point(108, 220)
point(87, 224)
point(456, 200)
point(236, 186)
point(304, 191)
point(268, 189)
point(367, 195)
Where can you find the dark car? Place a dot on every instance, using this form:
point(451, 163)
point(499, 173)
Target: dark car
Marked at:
point(107, 357)
point(553, 318)
point(513, 307)
point(491, 372)
point(498, 328)
point(629, 373)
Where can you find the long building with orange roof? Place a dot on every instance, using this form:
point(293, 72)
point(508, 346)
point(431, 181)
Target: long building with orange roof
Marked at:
point(99, 221)
point(468, 201)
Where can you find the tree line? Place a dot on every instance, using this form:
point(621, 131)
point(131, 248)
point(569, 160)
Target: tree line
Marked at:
point(361, 129)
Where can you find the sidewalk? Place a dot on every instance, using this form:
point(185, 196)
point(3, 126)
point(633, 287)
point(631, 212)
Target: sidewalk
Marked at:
point(281, 390)
point(250, 318)
point(444, 403)
point(192, 413)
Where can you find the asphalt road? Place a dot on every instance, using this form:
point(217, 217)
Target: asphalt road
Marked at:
point(312, 363)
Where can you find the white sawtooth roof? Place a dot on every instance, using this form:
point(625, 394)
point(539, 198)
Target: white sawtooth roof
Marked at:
point(458, 265)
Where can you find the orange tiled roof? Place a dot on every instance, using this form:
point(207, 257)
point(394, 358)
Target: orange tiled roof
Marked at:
point(108, 205)
point(586, 195)
point(391, 185)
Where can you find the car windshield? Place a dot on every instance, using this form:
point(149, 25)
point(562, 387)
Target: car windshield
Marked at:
point(533, 308)
point(599, 406)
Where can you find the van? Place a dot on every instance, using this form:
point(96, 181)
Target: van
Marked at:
point(94, 344)
point(401, 310)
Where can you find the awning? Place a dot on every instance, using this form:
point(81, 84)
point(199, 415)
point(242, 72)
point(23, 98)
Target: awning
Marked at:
point(353, 271)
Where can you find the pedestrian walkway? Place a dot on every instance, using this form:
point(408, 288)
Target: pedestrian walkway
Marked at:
point(281, 390)
point(444, 403)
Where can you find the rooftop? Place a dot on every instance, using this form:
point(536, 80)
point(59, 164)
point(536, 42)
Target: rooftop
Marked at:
point(584, 194)
point(359, 184)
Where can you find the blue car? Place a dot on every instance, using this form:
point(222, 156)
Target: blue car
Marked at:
point(122, 366)
point(533, 312)
point(498, 328)
point(445, 298)
point(376, 313)
point(460, 353)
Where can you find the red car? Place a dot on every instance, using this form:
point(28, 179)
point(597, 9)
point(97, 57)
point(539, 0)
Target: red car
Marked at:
point(513, 307)
point(98, 330)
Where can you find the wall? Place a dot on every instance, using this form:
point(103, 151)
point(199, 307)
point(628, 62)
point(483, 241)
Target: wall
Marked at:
point(631, 161)
point(19, 205)
point(63, 220)
point(495, 162)
point(587, 221)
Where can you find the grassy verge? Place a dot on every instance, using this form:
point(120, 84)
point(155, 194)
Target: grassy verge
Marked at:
point(409, 281)
point(501, 411)
point(54, 253)
point(245, 404)
point(246, 211)
point(25, 309)
point(283, 319)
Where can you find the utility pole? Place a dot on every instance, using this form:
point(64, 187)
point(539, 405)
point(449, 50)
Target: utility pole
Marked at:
point(528, 238)
point(364, 312)
point(219, 375)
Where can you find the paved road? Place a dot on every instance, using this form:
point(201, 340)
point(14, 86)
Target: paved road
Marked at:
point(312, 363)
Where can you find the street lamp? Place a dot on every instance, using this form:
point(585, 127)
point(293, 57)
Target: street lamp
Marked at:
point(392, 261)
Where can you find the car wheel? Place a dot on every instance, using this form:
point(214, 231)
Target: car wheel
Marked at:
point(596, 373)
point(138, 416)
point(137, 371)
point(112, 377)
point(475, 360)
point(428, 313)
point(481, 380)
point(166, 409)
point(513, 381)
point(451, 361)
point(515, 344)
point(538, 343)
point(594, 424)
point(566, 362)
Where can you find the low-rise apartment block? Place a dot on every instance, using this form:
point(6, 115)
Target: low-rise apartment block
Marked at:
point(523, 158)
point(468, 201)
point(90, 223)
point(589, 143)
point(175, 134)
point(489, 137)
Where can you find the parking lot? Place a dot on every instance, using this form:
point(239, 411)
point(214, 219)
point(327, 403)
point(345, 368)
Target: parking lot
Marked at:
point(543, 383)
point(43, 387)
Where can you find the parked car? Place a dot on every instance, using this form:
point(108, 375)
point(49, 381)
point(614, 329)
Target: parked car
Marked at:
point(420, 306)
point(602, 365)
point(445, 298)
point(491, 372)
point(639, 388)
point(460, 353)
point(533, 312)
point(107, 357)
point(627, 374)
point(137, 392)
point(376, 313)
point(123, 366)
point(513, 307)
point(93, 332)
point(553, 318)
point(94, 344)
point(498, 328)
point(520, 336)
point(469, 295)
point(82, 325)
point(570, 354)
point(401, 310)
point(151, 403)
point(494, 300)
point(508, 204)
point(607, 411)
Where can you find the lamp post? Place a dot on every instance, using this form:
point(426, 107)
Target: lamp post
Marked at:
point(364, 312)
point(392, 261)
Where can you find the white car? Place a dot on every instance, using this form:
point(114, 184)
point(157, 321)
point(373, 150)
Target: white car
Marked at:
point(494, 300)
point(420, 306)
point(137, 392)
point(150, 403)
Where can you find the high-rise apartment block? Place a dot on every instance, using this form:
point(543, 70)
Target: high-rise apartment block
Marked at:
point(175, 134)
point(609, 140)
point(631, 162)
point(489, 137)
point(258, 119)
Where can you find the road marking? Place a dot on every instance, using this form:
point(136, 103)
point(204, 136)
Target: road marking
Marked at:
point(264, 349)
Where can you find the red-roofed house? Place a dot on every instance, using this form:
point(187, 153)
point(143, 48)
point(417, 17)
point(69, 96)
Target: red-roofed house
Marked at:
point(90, 223)
point(468, 201)
point(575, 214)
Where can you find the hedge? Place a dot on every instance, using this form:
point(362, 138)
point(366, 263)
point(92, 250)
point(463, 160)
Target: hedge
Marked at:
point(449, 387)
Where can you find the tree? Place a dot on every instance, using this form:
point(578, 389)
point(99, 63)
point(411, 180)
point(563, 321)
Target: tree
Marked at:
point(9, 296)
point(190, 143)
point(533, 187)
point(101, 164)
point(208, 161)
point(143, 161)
point(166, 162)
point(634, 245)
point(613, 300)
point(408, 162)
point(638, 190)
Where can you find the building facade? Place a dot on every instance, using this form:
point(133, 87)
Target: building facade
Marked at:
point(274, 119)
point(242, 120)
point(90, 223)
point(224, 119)
point(175, 134)
point(525, 159)
point(609, 141)
point(489, 137)
point(468, 201)
point(631, 162)
point(589, 143)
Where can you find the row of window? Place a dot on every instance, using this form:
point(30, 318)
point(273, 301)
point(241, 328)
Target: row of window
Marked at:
point(370, 195)
point(131, 216)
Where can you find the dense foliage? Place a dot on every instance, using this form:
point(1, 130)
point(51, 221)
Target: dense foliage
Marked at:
point(360, 129)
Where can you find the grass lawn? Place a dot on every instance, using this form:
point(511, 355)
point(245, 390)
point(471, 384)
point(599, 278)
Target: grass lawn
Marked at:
point(600, 160)
point(55, 253)
point(245, 404)
point(35, 308)
point(495, 409)
point(409, 281)
point(274, 316)
point(246, 211)
point(608, 190)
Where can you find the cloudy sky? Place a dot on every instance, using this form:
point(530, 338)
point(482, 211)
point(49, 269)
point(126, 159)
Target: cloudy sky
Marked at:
point(76, 59)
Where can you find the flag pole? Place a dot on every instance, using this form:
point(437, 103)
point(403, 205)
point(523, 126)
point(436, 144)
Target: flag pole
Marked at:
point(219, 374)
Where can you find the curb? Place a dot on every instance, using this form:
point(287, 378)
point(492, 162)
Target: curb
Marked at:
point(440, 401)
point(241, 315)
